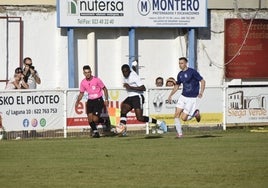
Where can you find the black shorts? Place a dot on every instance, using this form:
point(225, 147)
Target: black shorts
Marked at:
point(135, 102)
point(95, 106)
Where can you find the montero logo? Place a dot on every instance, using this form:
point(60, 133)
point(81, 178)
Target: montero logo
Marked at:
point(80, 6)
point(146, 6)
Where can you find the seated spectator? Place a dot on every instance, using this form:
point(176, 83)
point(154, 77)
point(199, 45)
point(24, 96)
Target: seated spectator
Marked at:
point(17, 82)
point(170, 82)
point(159, 82)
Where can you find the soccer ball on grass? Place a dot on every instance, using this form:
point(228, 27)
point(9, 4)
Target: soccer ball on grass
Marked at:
point(119, 130)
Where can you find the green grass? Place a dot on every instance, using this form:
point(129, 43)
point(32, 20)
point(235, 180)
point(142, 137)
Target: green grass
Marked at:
point(233, 158)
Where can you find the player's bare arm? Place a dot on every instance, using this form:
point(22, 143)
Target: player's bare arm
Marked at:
point(202, 88)
point(139, 88)
point(174, 90)
point(80, 96)
point(106, 99)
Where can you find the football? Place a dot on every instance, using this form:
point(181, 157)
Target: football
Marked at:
point(120, 129)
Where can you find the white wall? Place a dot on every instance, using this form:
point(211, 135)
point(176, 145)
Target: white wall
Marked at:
point(44, 43)
point(158, 49)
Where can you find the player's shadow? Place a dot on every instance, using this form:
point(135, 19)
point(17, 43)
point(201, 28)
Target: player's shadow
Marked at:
point(153, 136)
point(206, 136)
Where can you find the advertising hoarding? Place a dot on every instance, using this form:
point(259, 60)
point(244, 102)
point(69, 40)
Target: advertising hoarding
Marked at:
point(132, 13)
point(26, 110)
point(247, 105)
point(246, 47)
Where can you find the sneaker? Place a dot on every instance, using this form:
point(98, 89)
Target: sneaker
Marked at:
point(124, 133)
point(96, 135)
point(153, 130)
point(113, 130)
point(197, 115)
point(179, 135)
point(163, 126)
point(159, 131)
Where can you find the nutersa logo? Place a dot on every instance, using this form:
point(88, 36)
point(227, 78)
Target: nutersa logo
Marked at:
point(147, 6)
point(75, 6)
point(72, 7)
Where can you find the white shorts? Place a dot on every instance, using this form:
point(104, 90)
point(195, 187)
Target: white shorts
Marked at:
point(188, 104)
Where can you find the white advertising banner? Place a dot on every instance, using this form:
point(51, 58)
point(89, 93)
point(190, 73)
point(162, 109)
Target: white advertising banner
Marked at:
point(132, 13)
point(32, 110)
point(247, 105)
point(210, 105)
point(77, 117)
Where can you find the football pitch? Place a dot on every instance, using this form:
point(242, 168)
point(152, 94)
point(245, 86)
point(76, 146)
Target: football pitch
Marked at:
point(232, 158)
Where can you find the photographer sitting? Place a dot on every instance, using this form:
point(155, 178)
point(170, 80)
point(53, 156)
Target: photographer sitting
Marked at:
point(17, 82)
point(31, 76)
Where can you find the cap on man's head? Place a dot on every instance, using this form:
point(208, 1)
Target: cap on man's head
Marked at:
point(86, 67)
point(18, 70)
